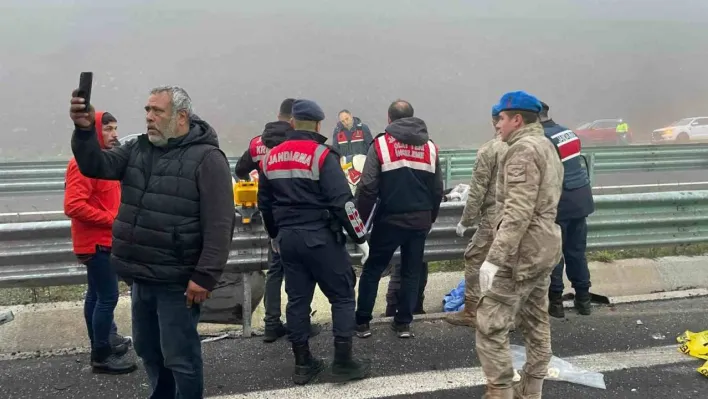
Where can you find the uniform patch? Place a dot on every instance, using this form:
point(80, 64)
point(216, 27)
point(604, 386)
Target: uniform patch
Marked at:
point(354, 219)
point(515, 173)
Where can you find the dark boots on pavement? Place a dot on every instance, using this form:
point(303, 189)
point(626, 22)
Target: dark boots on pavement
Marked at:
point(104, 361)
point(583, 304)
point(344, 367)
point(306, 366)
point(555, 305)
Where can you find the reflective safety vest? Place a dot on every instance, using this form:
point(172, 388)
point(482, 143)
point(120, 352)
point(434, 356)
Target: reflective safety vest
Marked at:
point(293, 171)
point(622, 128)
point(568, 146)
point(407, 173)
point(257, 150)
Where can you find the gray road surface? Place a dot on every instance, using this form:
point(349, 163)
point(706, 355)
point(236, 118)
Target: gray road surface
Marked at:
point(439, 362)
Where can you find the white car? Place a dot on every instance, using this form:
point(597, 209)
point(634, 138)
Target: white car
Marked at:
point(683, 131)
point(127, 139)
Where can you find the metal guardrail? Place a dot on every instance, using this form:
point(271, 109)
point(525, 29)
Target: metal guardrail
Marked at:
point(39, 253)
point(456, 164)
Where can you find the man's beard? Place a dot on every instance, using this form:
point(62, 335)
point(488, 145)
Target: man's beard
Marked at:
point(166, 134)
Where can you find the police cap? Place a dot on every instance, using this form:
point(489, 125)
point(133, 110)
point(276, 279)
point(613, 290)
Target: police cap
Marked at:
point(519, 101)
point(306, 110)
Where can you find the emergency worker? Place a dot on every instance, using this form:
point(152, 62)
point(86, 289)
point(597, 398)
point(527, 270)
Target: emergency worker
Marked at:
point(306, 203)
point(622, 131)
point(575, 205)
point(480, 204)
point(351, 136)
point(514, 278)
point(273, 134)
point(402, 169)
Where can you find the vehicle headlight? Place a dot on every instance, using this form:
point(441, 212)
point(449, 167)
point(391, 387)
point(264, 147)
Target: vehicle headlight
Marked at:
point(666, 132)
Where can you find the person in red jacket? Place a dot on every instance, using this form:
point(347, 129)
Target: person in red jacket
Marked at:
point(92, 205)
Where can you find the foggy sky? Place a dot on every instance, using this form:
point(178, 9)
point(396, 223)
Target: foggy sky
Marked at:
point(642, 60)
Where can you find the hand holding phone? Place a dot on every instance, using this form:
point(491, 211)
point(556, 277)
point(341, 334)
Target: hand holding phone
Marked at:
point(81, 111)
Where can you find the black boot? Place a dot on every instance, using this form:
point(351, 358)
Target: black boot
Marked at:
point(120, 344)
point(306, 367)
point(344, 367)
point(583, 303)
point(103, 361)
point(555, 304)
point(272, 334)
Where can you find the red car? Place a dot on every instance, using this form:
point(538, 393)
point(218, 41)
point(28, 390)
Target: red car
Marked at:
point(600, 132)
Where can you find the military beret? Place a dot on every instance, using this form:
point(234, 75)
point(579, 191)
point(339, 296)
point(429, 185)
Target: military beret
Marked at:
point(306, 110)
point(519, 101)
point(495, 110)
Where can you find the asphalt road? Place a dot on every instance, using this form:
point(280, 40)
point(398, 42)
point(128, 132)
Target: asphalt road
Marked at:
point(53, 201)
point(634, 345)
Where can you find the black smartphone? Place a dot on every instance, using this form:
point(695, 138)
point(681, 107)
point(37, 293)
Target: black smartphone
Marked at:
point(85, 83)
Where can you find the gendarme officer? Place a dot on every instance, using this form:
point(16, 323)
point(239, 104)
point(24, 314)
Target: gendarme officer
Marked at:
point(575, 205)
point(306, 201)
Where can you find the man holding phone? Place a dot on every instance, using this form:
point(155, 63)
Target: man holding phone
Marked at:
point(173, 231)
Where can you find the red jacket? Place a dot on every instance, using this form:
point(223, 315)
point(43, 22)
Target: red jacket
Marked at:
point(92, 205)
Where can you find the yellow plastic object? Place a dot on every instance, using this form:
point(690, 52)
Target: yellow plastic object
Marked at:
point(695, 345)
point(245, 193)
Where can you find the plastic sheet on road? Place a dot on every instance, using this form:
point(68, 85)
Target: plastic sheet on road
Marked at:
point(560, 370)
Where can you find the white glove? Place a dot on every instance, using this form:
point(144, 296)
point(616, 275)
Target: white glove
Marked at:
point(460, 230)
point(486, 276)
point(364, 248)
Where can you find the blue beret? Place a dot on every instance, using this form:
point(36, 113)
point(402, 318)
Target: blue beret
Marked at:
point(495, 110)
point(306, 110)
point(519, 101)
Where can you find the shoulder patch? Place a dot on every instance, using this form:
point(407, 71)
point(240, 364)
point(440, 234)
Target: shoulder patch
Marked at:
point(515, 173)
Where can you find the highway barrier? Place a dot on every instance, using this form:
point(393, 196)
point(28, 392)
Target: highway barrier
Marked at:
point(22, 177)
point(39, 253)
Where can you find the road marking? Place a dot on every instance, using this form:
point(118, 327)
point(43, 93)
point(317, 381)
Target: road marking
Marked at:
point(431, 381)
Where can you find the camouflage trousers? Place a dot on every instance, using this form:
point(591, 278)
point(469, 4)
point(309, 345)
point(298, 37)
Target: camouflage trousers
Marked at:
point(509, 301)
point(475, 254)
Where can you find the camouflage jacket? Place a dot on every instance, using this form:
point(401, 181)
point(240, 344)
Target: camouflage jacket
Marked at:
point(529, 185)
point(481, 197)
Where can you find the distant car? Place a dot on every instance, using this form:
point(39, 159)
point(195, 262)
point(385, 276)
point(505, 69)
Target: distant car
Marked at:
point(682, 131)
point(129, 138)
point(600, 132)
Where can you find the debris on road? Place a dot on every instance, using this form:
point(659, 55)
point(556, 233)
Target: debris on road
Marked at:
point(6, 317)
point(560, 370)
point(695, 345)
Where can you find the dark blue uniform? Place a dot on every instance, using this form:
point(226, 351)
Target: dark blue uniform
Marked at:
point(305, 201)
point(575, 204)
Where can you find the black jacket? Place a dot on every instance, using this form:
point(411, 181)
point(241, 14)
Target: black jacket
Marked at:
point(176, 218)
point(302, 186)
point(409, 198)
point(273, 134)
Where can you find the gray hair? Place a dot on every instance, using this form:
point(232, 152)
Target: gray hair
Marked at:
point(180, 99)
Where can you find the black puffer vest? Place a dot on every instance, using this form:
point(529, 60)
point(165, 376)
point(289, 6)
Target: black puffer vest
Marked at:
point(157, 234)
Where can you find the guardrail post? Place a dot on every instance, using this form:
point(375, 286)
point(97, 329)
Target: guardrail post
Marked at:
point(591, 170)
point(247, 314)
point(448, 170)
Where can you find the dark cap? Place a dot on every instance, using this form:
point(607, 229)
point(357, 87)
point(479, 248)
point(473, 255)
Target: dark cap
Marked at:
point(306, 110)
point(545, 106)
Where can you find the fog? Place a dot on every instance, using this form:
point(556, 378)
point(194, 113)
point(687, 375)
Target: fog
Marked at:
point(641, 60)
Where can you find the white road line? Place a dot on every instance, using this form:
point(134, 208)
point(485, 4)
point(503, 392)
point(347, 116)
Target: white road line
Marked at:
point(431, 381)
